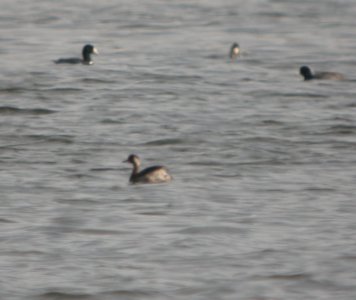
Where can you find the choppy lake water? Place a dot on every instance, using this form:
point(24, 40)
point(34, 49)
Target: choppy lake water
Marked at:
point(262, 206)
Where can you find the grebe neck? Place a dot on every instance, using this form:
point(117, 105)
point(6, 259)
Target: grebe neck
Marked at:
point(136, 167)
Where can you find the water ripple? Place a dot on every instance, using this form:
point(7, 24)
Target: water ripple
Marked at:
point(11, 110)
point(169, 141)
point(62, 295)
point(3, 220)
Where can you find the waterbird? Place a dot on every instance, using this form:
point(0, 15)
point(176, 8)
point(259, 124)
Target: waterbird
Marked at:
point(87, 51)
point(308, 75)
point(154, 174)
point(234, 50)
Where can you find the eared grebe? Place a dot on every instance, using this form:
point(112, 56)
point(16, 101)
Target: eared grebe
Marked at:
point(86, 60)
point(308, 75)
point(154, 174)
point(234, 50)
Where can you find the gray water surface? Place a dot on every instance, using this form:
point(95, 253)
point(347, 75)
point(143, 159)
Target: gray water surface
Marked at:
point(262, 206)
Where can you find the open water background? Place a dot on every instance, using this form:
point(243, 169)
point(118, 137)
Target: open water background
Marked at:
point(262, 206)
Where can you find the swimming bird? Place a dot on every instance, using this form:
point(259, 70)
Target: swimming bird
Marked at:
point(154, 174)
point(86, 60)
point(308, 75)
point(234, 50)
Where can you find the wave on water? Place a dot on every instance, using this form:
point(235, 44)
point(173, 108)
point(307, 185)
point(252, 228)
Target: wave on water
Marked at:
point(63, 89)
point(36, 139)
point(97, 80)
point(292, 276)
point(64, 296)
point(336, 130)
point(126, 294)
point(3, 220)
point(172, 78)
point(168, 141)
point(12, 110)
point(342, 129)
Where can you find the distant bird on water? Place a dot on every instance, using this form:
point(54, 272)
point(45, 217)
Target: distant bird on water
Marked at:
point(308, 75)
point(87, 51)
point(154, 174)
point(234, 51)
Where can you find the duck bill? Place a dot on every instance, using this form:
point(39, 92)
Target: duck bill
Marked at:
point(95, 51)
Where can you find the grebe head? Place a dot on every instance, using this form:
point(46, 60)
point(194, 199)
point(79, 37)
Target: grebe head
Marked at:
point(133, 159)
point(87, 51)
point(234, 50)
point(306, 72)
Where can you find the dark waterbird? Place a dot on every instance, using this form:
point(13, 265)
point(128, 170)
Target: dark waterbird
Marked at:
point(308, 75)
point(234, 51)
point(87, 51)
point(154, 174)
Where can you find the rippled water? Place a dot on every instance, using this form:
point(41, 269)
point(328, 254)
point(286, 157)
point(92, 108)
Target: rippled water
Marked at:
point(262, 205)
